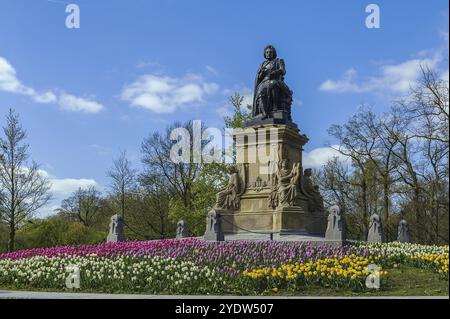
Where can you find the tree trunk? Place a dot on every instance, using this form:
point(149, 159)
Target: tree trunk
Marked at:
point(12, 237)
point(386, 207)
point(365, 209)
point(418, 216)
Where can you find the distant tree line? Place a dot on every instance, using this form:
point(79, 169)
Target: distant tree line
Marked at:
point(151, 200)
point(396, 164)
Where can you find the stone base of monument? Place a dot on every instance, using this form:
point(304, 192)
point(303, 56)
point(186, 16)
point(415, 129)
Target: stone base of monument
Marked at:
point(258, 183)
point(277, 117)
point(283, 221)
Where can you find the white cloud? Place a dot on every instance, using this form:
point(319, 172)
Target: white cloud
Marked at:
point(62, 188)
point(78, 104)
point(395, 78)
point(148, 64)
point(65, 186)
point(9, 82)
point(223, 111)
point(318, 157)
point(212, 70)
point(346, 84)
point(47, 97)
point(445, 76)
point(164, 94)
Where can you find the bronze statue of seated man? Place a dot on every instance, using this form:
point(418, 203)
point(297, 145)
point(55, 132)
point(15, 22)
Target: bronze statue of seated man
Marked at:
point(271, 94)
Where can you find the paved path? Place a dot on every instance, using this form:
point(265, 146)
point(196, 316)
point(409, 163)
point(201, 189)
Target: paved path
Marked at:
point(11, 294)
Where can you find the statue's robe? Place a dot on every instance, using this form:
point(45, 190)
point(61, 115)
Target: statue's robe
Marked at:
point(269, 87)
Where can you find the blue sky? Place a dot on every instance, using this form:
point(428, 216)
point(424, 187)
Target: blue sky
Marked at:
point(134, 67)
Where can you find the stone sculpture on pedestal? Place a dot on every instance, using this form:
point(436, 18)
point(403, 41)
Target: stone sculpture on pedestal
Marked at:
point(116, 229)
point(229, 197)
point(403, 232)
point(336, 228)
point(182, 229)
point(376, 232)
point(311, 191)
point(284, 188)
point(269, 191)
point(214, 231)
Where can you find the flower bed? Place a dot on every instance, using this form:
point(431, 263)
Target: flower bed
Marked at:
point(191, 266)
point(422, 256)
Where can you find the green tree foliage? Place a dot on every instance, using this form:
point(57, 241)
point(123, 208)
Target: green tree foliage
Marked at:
point(55, 231)
point(241, 113)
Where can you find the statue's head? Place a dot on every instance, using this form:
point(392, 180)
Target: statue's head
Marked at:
point(284, 164)
point(334, 210)
point(269, 52)
point(307, 172)
point(232, 169)
point(375, 218)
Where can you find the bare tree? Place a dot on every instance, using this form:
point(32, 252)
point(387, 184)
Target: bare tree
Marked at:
point(83, 205)
point(24, 188)
point(354, 143)
point(400, 161)
point(157, 162)
point(152, 215)
point(420, 125)
point(123, 180)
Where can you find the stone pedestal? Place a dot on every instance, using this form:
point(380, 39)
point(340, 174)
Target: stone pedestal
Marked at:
point(336, 228)
point(214, 228)
point(376, 231)
point(403, 232)
point(116, 232)
point(182, 229)
point(259, 151)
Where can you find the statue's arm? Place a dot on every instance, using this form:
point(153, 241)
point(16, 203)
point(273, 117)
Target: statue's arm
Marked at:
point(280, 69)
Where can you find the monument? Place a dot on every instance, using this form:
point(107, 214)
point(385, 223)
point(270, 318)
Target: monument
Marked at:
point(182, 229)
point(376, 232)
point(214, 231)
point(116, 229)
point(336, 228)
point(268, 189)
point(403, 232)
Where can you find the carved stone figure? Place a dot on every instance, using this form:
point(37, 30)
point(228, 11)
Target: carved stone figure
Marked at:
point(284, 187)
point(259, 184)
point(271, 94)
point(336, 229)
point(116, 229)
point(376, 233)
point(311, 191)
point(214, 230)
point(403, 232)
point(229, 197)
point(182, 229)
